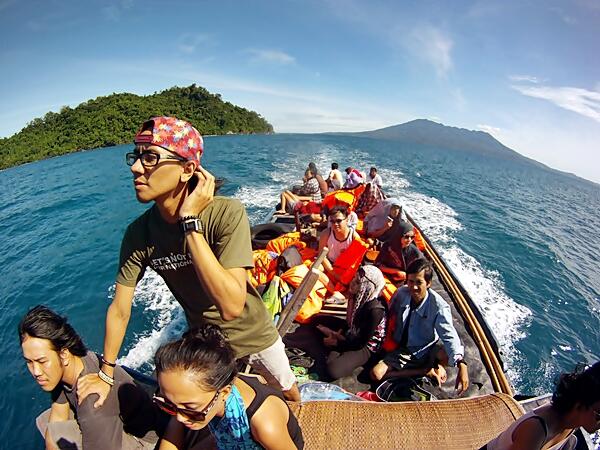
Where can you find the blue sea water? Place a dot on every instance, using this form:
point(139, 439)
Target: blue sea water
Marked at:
point(524, 241)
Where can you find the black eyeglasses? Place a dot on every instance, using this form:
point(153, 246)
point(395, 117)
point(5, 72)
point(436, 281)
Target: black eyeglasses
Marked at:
point(408, 236)
point(338, 221)
point(149, 159)
point(194, 416)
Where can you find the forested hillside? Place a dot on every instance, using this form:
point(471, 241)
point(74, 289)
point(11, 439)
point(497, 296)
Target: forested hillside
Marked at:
point(114, 119)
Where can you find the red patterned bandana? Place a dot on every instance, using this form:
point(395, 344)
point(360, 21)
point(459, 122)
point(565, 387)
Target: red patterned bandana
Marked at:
point(177, 136)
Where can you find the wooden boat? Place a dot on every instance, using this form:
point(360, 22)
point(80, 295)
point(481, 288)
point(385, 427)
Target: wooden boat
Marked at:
point(487, 407)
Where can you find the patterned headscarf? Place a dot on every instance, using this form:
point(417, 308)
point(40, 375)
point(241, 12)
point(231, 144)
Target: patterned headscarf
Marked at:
point(177, 136)
point(366, 286)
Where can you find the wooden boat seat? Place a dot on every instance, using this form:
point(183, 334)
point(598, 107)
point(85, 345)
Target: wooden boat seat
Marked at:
point(447, 425)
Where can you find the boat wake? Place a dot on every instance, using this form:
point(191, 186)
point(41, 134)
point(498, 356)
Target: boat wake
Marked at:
point(160, 309)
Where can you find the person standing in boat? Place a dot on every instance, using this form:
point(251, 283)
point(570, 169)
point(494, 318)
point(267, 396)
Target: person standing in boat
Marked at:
point(575, 403)
point(200, 387)
point(57, 357)
point(199, 244)
point(397, 254)
point(424, 333)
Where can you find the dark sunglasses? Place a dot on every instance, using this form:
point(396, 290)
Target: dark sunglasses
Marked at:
point(194, 416)
point(408, 236)
point(338, 221)
point(149, 159)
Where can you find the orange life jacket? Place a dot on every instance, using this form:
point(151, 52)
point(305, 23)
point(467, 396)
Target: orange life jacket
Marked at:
point(313, 304)
point(278, 245)
point(347, 264)
point(265, 266)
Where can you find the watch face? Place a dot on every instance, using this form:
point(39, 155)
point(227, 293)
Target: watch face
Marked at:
point(192, 225)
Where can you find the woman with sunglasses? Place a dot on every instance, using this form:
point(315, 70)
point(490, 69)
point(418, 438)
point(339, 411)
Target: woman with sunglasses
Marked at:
point(200, 387)
point(575, 403)
point(364, 326)
point(397, 254)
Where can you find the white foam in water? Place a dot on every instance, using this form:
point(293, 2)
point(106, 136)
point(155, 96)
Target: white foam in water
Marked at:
point(168, 320)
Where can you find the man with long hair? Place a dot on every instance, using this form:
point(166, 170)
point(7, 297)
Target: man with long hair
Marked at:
point(56, 358)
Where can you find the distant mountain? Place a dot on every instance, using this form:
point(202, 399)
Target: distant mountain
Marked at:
point(114, 119)
point(433, 134)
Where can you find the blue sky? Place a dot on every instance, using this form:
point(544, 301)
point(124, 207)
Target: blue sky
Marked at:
point(528, 72)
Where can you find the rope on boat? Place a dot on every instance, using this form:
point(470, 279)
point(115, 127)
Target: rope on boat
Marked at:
point(498, 378)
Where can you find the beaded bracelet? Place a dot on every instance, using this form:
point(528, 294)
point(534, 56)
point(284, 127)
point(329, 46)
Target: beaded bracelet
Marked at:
point(108, 380)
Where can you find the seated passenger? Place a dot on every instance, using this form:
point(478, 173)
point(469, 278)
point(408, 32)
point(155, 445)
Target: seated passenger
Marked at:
point(397, 254)
point(426, 337)
point(374, 177)
point(322, 183)
point(200, 387)
point(575, 403)
point(364, 327)
point(337, 237)
point(57, 358)
point(309, 192)
point(334, 179)
point(381, 221)
point(353, 178)
point(371, 196)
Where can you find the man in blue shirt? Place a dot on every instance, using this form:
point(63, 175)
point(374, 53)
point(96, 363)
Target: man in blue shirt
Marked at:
point(427, 340)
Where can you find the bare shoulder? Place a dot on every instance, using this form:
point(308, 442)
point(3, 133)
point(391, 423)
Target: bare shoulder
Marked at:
point(269, 423)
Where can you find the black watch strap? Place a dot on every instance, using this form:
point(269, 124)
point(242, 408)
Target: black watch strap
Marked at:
point(461, 361)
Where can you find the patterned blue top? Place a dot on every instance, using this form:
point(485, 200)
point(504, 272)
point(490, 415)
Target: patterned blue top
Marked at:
point(232, 431)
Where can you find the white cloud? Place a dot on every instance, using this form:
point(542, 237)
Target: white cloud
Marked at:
point(433, 46)
point(581, 101)
point(189, 42)
point(270, 56)
point(489, 129)
point(114, 11)
point(526, 78)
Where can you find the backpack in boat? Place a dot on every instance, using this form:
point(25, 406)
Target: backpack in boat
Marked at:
point(289, 258)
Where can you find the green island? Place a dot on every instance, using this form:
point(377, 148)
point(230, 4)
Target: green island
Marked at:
point(114, 119)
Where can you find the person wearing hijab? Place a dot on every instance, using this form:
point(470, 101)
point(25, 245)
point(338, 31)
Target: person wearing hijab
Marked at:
point(397, 254)
point(364, 327)
point(382, 220)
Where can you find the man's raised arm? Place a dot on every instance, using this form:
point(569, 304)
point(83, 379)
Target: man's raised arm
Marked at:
point(117, 319)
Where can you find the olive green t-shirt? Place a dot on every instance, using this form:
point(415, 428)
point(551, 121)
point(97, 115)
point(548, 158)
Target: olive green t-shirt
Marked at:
point(150, 241)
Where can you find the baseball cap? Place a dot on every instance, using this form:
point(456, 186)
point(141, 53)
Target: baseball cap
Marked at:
point(170, 133)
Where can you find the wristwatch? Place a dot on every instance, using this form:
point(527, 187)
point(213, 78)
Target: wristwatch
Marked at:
point(461, 361)
point(191, 223)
